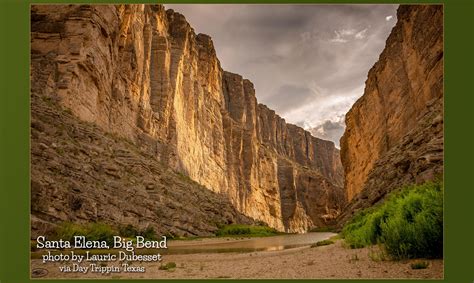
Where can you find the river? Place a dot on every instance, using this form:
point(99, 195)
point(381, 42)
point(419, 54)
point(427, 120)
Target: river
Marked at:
point(222, 245)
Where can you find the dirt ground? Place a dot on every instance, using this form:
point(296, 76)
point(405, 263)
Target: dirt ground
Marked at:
point(332, 261)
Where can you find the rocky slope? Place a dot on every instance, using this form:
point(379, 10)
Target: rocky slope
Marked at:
point(79, 173)
point(394, 133)
point(142, 73)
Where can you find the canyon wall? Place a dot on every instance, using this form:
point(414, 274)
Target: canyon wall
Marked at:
point(141, 73)
point(82, 174)
point(394, 133)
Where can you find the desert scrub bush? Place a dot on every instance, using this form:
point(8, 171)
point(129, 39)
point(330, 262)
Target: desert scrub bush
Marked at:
point(336, 237)
point(246, 231)
point(95, 231)
point(377, 253)
point(148, 233)
point(130, 231)
point(322, 243)
point(419, 265)
point(409, 223)
point(167, 266)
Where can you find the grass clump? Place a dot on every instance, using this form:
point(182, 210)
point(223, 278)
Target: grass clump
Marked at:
point(409, 223)
point(378, 254)
point(148, 233)
point(419, 265)
point(167, 266)
point(336, 237)
point(129, 231)
point(246, 231)
point(321, 229)
point(322, 243)
point(354, 258)
point(98, 231)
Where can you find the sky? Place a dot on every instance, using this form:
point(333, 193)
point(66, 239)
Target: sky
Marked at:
point(307, 62)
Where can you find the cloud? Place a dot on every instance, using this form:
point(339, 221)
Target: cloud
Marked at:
point(345, 35)
point(330, 130)
point(361, 34)
point(339, 38)
point(332, 107)
point(307, 62)
point(290, 97)
point(305, 36)
point(388, 18)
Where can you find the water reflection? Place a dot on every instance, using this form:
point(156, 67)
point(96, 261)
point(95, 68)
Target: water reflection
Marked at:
point(275, 243)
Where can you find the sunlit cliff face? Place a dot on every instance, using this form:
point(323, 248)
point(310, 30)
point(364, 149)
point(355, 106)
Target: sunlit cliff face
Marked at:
point(308, 62)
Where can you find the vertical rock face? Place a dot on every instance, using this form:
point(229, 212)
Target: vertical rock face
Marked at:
point(142, 73)
point(394, 133)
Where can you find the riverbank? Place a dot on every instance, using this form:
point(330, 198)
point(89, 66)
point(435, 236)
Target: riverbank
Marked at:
point(332, 261)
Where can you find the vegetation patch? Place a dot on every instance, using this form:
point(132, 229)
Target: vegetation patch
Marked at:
point(167, 266)
point(129, 231)
point(98, 231)
point(95, 231)
point(336, 237)
point(419, 265)
point(241, 230)
point(321, 229)
point(378, 253)
point(409, 223)
point(322, 243)
point(354, 258)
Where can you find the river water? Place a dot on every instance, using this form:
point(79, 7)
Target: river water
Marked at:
point(222, 245)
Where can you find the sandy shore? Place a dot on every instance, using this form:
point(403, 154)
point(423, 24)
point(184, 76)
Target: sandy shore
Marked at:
point(332, 261)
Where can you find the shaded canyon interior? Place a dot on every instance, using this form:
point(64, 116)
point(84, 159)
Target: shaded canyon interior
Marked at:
point(133, 121)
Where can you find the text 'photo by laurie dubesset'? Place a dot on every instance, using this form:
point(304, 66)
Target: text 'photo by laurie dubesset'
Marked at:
point(153, 156)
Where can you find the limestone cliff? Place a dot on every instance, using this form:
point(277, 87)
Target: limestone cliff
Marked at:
point(394, 133)
point(81, 174)
point(142, 73)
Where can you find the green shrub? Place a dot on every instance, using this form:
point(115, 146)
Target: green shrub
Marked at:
point(419, 265)
point(378, 253)
point(261, 223)
point(128, 231)
point(409, 223)
point(167, 266)
point(246, 230)
point(149, 233)
point(322, 243)
point(67, 231)
point(100, 232)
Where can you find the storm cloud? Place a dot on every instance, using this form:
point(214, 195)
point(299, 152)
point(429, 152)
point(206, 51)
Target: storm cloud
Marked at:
point(307, 62)
point(330, 130)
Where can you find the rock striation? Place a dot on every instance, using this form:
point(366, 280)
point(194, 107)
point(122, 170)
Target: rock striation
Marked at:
point(143, 74)
point(80, 173)
point(394, 133)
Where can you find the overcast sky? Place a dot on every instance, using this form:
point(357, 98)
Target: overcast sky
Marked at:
point(308, 62)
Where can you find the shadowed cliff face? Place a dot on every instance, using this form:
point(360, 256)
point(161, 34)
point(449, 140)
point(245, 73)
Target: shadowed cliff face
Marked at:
point(142, 73)
point(394, 133)
point(82, 174)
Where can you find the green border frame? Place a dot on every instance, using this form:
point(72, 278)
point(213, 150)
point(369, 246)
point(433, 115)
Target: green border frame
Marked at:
point(14, 137)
